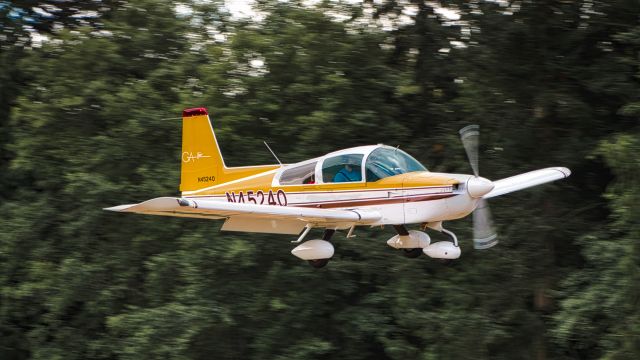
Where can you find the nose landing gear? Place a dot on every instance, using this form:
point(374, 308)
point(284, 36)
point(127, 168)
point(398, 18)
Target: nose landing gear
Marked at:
point(445, 250)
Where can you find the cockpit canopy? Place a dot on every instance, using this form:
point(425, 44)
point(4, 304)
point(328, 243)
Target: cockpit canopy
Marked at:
point(384, 162)
point(367, 163)
point(342, 168)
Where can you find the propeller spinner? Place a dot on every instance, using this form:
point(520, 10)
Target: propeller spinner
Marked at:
point(484, 235)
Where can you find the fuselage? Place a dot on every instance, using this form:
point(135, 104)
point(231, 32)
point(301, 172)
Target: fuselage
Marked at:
point(383, 179)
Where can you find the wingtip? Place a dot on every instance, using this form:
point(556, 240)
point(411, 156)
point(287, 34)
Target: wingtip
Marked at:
point(117, 208)
point(564, 171)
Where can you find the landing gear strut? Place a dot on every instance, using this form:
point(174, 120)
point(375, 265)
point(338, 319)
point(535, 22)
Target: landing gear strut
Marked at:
point(444, 250)
point(401, 230)
point(453, 236)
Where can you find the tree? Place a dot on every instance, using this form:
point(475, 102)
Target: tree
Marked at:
point(599, 315)
point(92, 120)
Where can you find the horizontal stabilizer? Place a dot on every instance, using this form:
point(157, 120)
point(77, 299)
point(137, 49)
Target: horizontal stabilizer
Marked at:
point(526, 180)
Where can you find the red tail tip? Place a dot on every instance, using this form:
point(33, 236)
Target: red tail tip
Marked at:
point(194, 112)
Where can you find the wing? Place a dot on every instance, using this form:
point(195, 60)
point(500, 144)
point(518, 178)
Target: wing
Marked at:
point(250, 217)
point(523, 181)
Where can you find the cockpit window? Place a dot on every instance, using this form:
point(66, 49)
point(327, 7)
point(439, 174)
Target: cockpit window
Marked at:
point(303, 174)
point(342, 168)
point(385, 162)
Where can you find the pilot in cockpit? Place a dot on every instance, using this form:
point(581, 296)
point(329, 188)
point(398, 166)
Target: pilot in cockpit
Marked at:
point(351, 171)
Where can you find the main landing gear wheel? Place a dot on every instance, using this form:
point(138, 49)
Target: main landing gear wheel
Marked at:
point(410, 242)
point(319, 263)
point(316, 252)
point(412, 253)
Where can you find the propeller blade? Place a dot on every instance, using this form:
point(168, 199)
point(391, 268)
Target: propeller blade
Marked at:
point(484, 236)
point(470, 136)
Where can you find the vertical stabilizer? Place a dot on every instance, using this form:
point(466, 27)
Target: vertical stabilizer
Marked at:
point(201, 158)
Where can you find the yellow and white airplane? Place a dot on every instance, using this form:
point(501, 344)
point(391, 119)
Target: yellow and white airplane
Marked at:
point(361, 186)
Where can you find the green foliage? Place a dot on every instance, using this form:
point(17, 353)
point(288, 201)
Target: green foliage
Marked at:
point(607, 288)
point(91, 119)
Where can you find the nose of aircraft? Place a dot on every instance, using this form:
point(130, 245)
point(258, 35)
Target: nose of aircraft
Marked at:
point(477, 186)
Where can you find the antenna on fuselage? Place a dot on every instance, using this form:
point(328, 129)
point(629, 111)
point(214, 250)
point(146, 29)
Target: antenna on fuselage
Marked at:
point(272, 153)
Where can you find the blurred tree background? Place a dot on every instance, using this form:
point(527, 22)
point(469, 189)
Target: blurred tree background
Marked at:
point(90, 101)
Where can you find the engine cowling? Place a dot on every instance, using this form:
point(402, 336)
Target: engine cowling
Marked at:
point(313, 250)
point(442, 250)
point(415, 239)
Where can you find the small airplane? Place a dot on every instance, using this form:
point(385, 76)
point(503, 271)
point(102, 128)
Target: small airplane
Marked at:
point(372, 185)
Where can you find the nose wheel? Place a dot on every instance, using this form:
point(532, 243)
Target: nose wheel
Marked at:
point(443, 250)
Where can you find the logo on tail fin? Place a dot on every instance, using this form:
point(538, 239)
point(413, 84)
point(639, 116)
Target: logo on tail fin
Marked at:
point(188, 156)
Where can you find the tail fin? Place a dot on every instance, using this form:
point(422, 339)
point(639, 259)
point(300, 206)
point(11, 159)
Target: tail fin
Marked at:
point(201, 157)
point(202, 163)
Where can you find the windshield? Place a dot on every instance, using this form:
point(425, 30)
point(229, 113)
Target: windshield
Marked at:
point(385, 162)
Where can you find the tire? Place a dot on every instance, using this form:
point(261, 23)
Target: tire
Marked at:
point(412, 253)
point(319, 263)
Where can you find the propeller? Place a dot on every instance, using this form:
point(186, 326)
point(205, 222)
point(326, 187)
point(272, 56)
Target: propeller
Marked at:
point(470, 136)
point(484, 235)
